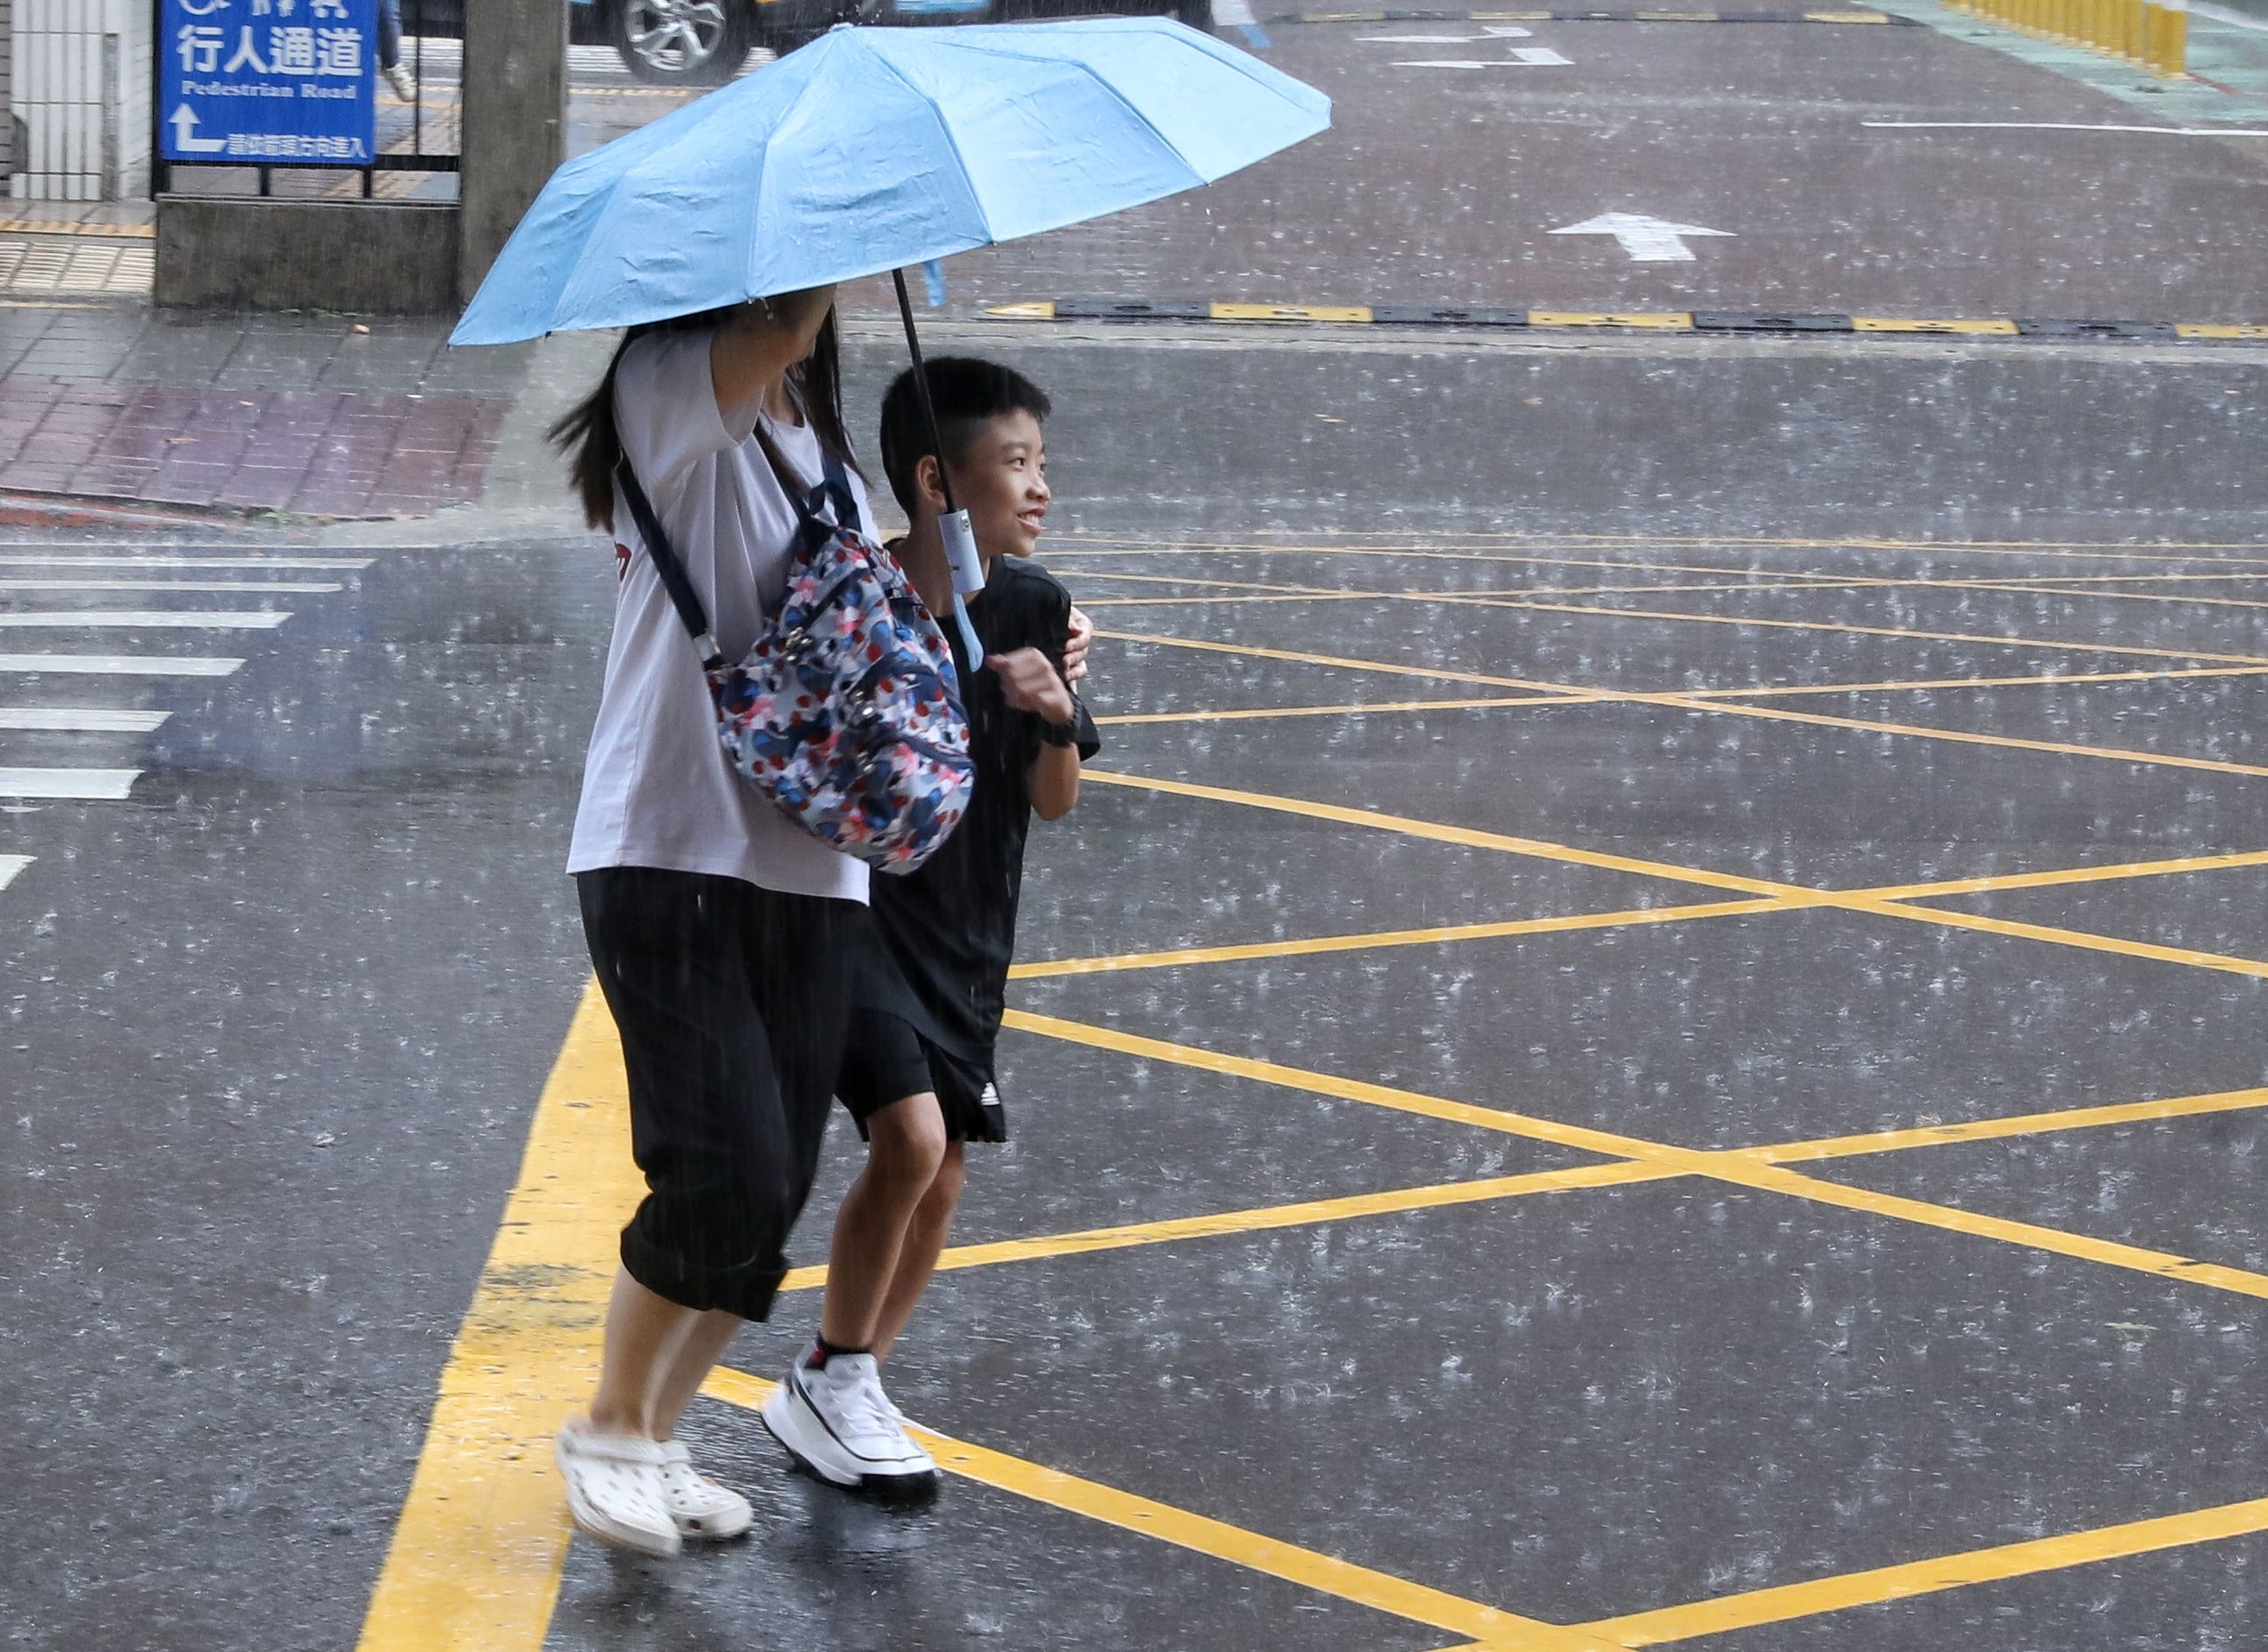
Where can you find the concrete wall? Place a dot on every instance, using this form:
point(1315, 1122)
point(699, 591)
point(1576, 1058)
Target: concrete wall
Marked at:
point(239, 253)
point(80, 84)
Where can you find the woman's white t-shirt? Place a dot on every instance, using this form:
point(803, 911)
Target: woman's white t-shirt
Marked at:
point(657, 791)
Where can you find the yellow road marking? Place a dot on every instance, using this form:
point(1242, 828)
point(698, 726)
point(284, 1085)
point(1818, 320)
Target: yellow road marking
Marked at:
point(1352, 313)
point(2208, 330)
point(1308, 947)
point(1677, 319)
point(1615, 1173)
point(1924, 1577)
point(1236, 714)
point(473, 1566)
point(1359, 707)
point(1250, 1550)
point(2019, 1124)
point(1718, 1164)
point(1736, 708)
point(1788, 894)
point(1988, 328)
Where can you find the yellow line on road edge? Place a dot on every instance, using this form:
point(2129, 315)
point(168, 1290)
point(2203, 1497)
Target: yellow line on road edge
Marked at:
point(1248, 1549)
point(474, 1562)
point(1924, 1577)
point(1717, 1164)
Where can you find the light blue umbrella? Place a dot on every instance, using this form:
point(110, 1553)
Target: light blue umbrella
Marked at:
point(874, 149)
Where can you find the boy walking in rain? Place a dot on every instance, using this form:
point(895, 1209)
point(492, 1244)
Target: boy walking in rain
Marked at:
point(928, 994)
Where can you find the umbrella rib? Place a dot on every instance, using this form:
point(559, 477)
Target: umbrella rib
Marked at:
point(952, 143)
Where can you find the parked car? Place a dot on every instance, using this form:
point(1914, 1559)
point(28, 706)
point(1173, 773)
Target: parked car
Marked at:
point(704, 43)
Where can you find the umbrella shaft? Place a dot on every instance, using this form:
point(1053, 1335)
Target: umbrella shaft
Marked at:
point(921, 387)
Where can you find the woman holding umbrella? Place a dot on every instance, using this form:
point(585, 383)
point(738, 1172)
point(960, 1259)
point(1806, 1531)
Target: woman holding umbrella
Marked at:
point(719, 930)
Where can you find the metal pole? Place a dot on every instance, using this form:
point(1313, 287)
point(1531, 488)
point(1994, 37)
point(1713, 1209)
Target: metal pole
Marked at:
point(921, 388)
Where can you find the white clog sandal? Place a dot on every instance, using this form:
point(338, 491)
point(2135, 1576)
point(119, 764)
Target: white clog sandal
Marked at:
point(614, 1489)
point(699, 1506)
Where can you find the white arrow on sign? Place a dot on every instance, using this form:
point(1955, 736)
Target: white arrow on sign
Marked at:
point(185, 138)
point(1647, 241)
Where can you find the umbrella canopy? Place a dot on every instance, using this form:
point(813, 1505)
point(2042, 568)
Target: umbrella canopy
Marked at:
point(873, 148)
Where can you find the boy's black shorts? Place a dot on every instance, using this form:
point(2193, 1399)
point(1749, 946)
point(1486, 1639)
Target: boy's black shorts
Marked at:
point(884, 1060)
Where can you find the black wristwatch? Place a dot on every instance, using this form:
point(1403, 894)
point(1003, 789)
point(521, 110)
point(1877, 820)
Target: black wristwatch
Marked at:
point(1063, 733)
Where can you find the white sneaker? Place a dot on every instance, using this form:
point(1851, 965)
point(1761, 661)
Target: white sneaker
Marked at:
point(836, 1422)
point(698, 1507)
point(614, 1489)
point(404, 87)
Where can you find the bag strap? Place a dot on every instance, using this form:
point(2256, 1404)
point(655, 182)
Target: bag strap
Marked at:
point(666, 563)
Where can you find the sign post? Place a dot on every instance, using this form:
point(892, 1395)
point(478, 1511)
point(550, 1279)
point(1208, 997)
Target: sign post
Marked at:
point(266, 83)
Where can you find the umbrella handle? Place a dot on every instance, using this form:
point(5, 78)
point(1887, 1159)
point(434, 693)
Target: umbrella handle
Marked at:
point(968, 568)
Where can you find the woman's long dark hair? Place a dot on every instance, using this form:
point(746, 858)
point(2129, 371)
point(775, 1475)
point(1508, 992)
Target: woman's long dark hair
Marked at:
point(586, 432)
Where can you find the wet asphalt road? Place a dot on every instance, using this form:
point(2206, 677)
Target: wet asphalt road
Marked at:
point(274, 1027)
point(276, 1022)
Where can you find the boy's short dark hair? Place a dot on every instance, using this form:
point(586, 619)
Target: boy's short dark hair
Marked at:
point(967, 391)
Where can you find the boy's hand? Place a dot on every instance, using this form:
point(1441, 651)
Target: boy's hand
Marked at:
point(1082, 633)
point(1029, 682)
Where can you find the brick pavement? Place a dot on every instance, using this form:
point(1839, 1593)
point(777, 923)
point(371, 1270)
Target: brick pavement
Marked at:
point(301, 414)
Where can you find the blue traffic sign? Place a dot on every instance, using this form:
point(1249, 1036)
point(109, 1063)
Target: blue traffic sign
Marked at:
point(269, 81)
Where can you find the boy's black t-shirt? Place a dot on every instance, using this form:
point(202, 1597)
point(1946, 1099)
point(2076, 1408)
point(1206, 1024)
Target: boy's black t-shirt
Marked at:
point(949, 926)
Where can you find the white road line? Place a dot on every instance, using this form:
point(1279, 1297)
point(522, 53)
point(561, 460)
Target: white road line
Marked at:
point(148, 619)
point(81, 719)
point(120, 665)
point(2066, 125)
point(307, 587)
point(129, 563)
point(10, 866)
point(92, 785)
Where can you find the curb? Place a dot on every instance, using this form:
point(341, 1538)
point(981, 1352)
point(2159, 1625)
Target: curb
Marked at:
point(1613, 14)
point(1697, 322)
point(31, 509)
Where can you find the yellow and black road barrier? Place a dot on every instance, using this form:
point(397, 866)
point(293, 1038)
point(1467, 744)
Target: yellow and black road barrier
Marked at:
point(1482, 317)
point(2153, 33)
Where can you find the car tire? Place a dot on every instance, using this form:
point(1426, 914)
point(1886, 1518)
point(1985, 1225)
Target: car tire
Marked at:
point(682, 42)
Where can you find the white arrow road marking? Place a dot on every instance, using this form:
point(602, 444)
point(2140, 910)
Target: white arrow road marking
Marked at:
point(81, 719)
point(149, 619)
point(92, 785)
point(185, 125)
point(10, 866)
point(1522, 57)
point(119, 666)
point(1648, 241)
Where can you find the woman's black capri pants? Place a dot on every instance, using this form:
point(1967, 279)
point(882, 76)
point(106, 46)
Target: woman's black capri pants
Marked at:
point(730, 1000)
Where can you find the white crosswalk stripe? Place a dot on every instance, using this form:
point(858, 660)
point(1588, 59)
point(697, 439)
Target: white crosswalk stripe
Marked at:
point(308, 586)
point(10, 866)
point(120, 665)
point(147, 619)
point(297, 564)
point(81, 719)
point(95, 786)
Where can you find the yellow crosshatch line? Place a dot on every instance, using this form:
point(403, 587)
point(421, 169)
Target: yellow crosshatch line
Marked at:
point(475, 1560)
point(1613, 1173)
point(1782, 893)
point(1182, 957)
point(1358, 708)
point(1738, 708)
point(1323, 1573)
point(1738, 1168)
